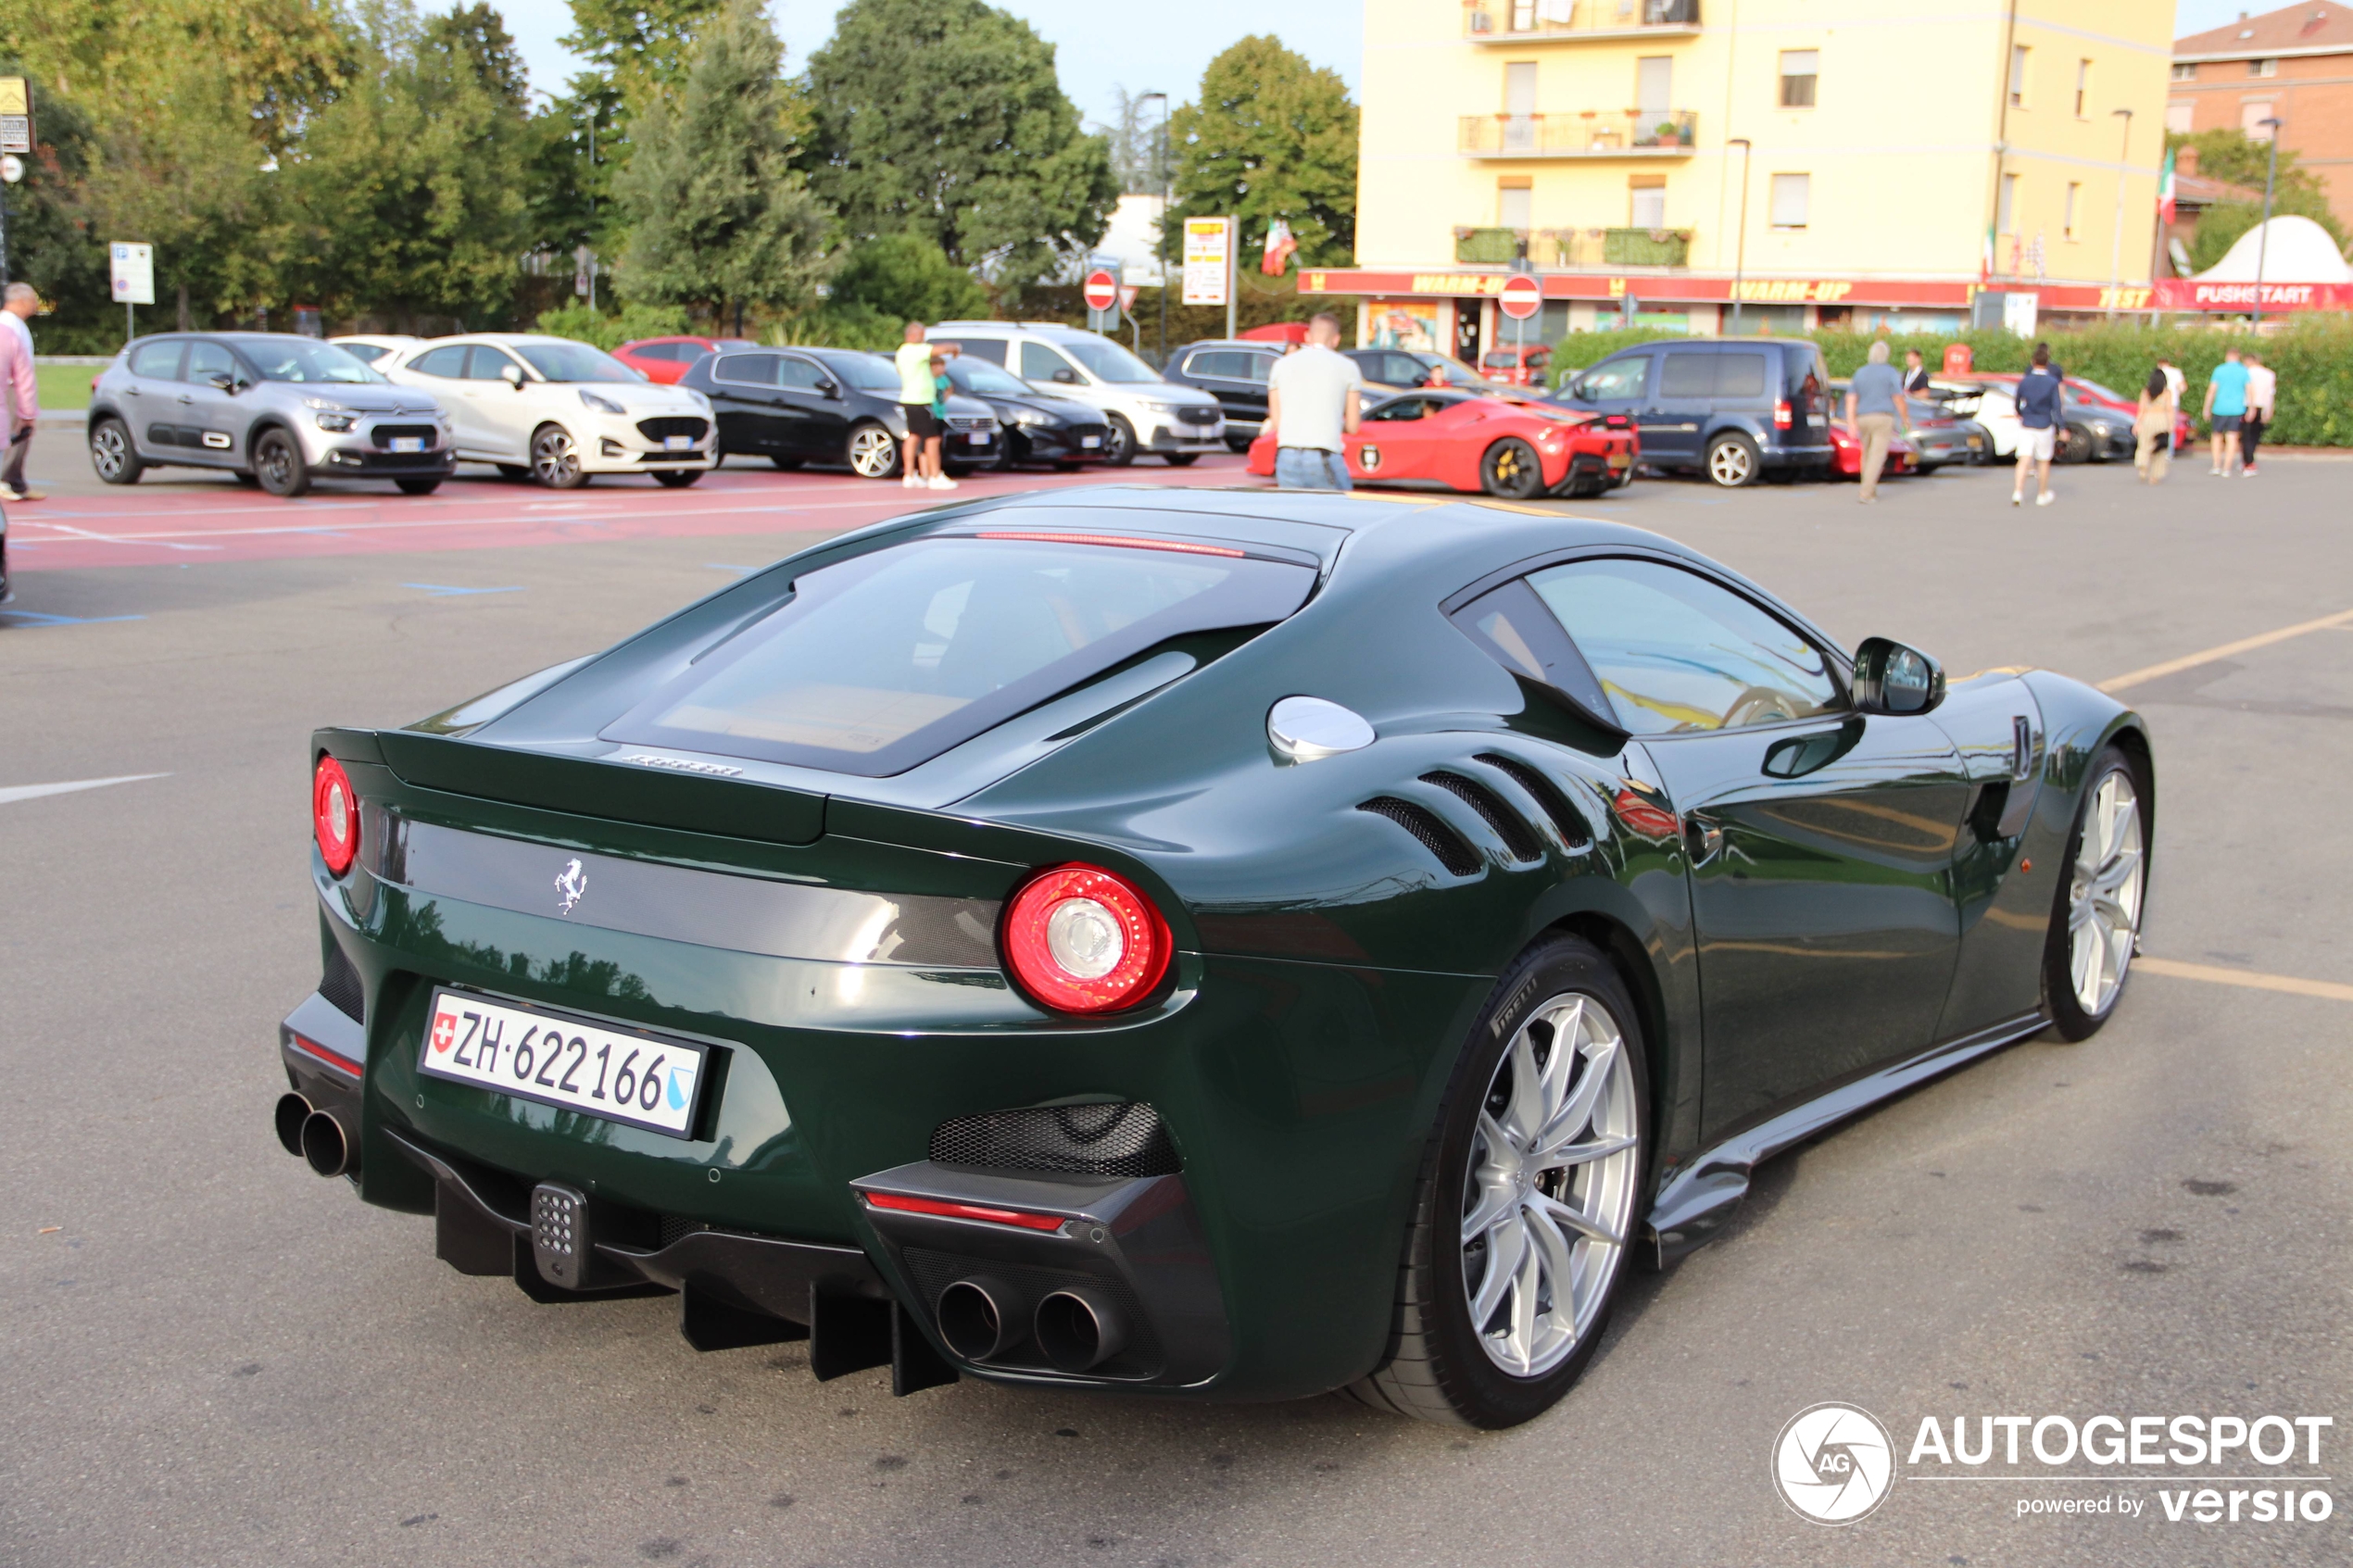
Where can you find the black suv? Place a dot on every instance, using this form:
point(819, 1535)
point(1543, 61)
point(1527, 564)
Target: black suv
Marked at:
point(796, 406)
point(1733, 408)
point(1034, 427)
point(1234, 372)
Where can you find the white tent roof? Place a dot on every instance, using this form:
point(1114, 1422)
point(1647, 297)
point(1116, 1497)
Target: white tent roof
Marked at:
point(2299, 251)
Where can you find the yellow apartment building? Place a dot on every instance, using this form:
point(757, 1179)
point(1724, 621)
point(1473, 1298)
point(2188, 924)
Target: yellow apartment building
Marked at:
point(1845, 161)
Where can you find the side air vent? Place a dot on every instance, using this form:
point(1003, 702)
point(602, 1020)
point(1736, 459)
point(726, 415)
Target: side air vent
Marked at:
point(1516, 836)
point(341, 985)
point(1083, 1140)
point(1437, 837)
point(1573, 830)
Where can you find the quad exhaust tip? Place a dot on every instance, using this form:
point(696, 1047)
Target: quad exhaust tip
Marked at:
point(327, 1146)
point(292, 1111)
point(1079, 1329)
point(980, 1318)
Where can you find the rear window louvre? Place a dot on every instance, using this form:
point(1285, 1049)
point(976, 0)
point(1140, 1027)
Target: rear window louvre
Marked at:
point(1573, 830)
point(1438, 839)
point(1515, 834)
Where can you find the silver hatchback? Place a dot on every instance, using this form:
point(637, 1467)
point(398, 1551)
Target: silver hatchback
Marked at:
point(274, 408)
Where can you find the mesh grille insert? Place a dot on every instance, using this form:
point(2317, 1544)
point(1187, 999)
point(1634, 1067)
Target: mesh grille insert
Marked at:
point(341, 985)
point(1516, 835)
point(1573, 830)
point(1087, 1140)
point(1436, 836)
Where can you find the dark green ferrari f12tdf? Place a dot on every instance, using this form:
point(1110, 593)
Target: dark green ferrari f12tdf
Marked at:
point(1200, 944)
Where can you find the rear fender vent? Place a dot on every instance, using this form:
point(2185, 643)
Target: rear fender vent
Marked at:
point(1083, 1140)
point(1575, 831)
point(1457, 856)
point(1516, 836)
point(341, 985)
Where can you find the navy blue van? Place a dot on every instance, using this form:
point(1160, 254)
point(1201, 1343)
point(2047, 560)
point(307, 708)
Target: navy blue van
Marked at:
point(1733, 408)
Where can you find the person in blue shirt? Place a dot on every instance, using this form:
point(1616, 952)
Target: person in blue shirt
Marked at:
point(2039, 413)
point(2226, 409)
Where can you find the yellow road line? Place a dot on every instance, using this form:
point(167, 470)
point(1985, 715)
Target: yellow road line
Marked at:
point(2244, 645)
point(2328, 990)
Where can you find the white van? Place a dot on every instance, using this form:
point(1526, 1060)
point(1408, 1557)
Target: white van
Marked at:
point(1142, 413)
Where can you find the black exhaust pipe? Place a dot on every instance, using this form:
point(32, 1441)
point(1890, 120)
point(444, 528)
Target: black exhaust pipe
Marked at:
point(1079, 1329)
point(292, 1111)
point(328, 1144)
point(980, 1318)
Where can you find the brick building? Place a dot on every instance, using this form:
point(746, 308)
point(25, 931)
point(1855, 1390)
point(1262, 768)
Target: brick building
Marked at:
point(2294, 65)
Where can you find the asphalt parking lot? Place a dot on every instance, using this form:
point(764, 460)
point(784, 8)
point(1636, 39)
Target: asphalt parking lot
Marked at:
point(216, 1357)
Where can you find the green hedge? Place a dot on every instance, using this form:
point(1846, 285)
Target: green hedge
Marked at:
point(2312, 355)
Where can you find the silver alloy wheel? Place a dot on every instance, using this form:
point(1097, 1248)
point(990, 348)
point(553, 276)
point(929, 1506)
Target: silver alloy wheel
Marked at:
point(109, 451)
point(555, 461)
point(873, 452)
point(1548, 1199)
point(1730, 464)
point(2104, 903)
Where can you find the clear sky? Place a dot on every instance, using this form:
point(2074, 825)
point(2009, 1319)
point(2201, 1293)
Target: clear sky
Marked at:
point(1162, 46)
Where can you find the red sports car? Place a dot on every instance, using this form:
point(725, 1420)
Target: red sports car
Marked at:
point(664, 359)
point(1460, 441)
point(1846, 456)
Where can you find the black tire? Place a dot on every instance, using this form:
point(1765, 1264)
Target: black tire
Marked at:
point(2074, 444)
point(246, 478)
point(1119, 442)
point(278, 464)
point(1239, 445)
point(873, 452)
point(514, 470)
point(2069, 1016)
point(1183, 459)
point(112, 455)
point(555, 458)
point(676, 478)
point(418, 486)
point(1510, 471)
point(1434, 1367)
point(1732, 461)
point(787, 464)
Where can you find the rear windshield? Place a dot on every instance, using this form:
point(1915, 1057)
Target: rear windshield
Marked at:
point(885, 661)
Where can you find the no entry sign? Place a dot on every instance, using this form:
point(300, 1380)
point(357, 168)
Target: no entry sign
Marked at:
point(1101, 291)
point(1522, 296)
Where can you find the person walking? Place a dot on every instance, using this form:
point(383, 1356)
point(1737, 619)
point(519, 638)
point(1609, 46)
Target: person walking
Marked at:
point(1313, 398)
point(21, 388)
point(2039, 412)
point(917, 392)
point(2181, 385)
point(1871, 413)
point(2262, 387)
point(2153, 429)
point(2226, 409)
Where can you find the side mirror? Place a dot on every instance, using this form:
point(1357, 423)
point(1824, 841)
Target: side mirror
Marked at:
point(512, 376)
point(221, 381)
point(828, 389)
point(1067, 377)
point(1893, 679)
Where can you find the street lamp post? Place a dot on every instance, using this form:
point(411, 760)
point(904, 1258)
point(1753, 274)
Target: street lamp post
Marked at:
point(1740, 243)
point(2264, 235)
point(1162, 161)
point(2116, 249)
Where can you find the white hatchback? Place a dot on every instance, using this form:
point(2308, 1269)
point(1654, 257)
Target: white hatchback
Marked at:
point(559, 410)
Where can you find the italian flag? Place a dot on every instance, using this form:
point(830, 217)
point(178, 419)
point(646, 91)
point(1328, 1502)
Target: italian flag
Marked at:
point(1985, 261)
point(2165, 188)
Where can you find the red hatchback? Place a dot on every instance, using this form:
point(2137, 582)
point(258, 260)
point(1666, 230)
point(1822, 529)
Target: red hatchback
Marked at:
point(664, 359)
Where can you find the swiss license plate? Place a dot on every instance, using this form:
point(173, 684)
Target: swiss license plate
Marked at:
point(1090, 441)
point(977, 437)
point(617, 1074)
point(407, 443)
point(677, 442)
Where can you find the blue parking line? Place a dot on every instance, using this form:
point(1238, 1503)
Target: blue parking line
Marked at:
point(34, 618)
point(443, 590)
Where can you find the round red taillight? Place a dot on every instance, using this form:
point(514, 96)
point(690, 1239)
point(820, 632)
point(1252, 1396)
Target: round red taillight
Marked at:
point(1080, 939)
point(335, 815)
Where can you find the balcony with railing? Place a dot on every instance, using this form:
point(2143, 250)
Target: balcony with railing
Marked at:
point(1524, 21)
point(1561, 250)
point(1587, 133)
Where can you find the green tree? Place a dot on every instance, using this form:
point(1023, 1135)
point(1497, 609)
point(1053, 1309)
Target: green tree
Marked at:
point(1271, 137)
point(906, 277)
point(2236, 158)
point(1137, 143)
point(943, 118)
point(642, 47)
point(478, 35)
point(716, 213)
point(569, 150)
point(405, 196)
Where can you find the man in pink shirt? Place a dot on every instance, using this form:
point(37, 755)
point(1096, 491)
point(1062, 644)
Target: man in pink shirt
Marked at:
point(19, 392)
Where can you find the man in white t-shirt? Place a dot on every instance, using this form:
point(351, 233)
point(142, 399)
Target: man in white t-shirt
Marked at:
point(918, 391)
point(1313, 399)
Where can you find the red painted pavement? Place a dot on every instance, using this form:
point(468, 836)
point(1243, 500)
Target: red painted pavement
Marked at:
point(186, 525)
